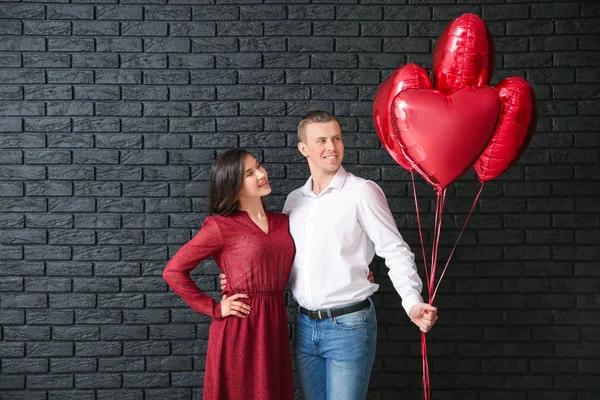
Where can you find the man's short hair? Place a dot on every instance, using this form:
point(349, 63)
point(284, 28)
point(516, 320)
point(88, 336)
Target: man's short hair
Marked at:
point(314, 116)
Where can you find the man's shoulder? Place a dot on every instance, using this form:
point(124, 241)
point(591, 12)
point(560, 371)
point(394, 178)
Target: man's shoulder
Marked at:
point(296, 192)
point(292, 200)
point(356, 182)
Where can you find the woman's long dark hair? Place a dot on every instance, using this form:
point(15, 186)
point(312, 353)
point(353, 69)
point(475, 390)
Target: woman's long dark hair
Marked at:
point(225, 182)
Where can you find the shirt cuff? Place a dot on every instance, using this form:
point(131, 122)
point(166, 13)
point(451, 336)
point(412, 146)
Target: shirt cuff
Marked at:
point(409, 301)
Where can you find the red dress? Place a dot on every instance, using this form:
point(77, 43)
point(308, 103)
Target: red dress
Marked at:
point(247, 359)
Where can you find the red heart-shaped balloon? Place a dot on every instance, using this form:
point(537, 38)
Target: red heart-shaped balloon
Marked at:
point(443, 135)
point(516, 125)
point(464, 55)
point(411, 76)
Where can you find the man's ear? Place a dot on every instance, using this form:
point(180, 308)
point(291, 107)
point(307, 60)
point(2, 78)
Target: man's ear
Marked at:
point(302, 149)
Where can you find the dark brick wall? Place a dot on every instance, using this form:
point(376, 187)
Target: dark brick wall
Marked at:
point(112, 112)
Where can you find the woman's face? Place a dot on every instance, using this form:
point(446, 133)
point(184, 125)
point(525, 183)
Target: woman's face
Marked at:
point(256, 182)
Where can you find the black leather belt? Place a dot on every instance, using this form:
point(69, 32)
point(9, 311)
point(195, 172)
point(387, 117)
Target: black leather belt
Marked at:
point(334, 312)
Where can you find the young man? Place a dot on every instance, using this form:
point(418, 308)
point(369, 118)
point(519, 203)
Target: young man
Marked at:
point(338, 222)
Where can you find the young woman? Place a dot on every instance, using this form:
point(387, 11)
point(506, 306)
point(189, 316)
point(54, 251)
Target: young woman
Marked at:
point(248, 347)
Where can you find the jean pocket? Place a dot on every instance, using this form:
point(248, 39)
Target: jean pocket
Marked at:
point(355, 320)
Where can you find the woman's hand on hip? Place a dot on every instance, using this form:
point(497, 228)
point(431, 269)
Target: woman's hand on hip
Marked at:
point(231, 307)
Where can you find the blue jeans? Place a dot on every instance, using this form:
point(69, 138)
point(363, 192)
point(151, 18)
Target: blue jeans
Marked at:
point(334, 356)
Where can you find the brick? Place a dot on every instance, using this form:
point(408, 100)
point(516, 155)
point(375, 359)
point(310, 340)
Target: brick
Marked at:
point(239, 28)
point(553, 11)
point(17, 43)
point(23, 268)
point(11, 28)
point(97, 317)
point(111, 173)
point(70, 77)
point(47, 28)
point(11, 157)
point(169, 13)
point(120, 12)
point(47, 157)
point(144, 60)
point(211, 45)
point(11, 92)
point(119, 109)
point(119, 205)
point(144, 28)
point(95, 28)
point(95, 61)
point(12, 125)
point(185, 378)
point(96, 253)
point(98, 381)
point(12, 382)
point(121, 300)
point(12, 350)
point(287, 28)
point(10, 220)
point(364, 13)
point(11, 285)
point(192, 29)
point(145, 380)
point(149, 348)
point(310, 12)
point(530, 27)
point(26, 333)
point(70, 12)
point(124, 141)
point(58, 381)
point(145, 317)
point(116, 333)
point(125, 394)
point(165, 45)
point(52, 317)
point(22, 205)
point(71, 365)
point(95, 349)
point(68, 269)
point(263, 44)
point(334, 61)
point(22, 173)
point(219, 12)
point(121, 364)
point(30, 11)
point(71, 44)
point(97, 93)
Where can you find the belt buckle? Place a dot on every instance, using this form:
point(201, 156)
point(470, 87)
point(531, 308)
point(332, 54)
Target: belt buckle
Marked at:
point(319, 313)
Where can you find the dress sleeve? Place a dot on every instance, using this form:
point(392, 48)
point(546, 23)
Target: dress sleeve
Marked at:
point(206, 243)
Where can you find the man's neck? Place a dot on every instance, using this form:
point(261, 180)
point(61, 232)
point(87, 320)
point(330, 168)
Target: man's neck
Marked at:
point(320, 180)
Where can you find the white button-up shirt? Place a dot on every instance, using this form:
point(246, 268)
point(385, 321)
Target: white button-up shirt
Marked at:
point(337, 234)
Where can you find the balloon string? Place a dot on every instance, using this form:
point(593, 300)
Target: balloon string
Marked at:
point(439, 210)
point(457, 240)
point(425, 380)
point(431, 266)
point(439, 207)
point(412, 174)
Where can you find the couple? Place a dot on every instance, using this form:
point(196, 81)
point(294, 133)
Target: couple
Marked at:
point(338, 222)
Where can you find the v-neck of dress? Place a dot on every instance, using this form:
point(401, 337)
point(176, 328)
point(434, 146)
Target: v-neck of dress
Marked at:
point(245, 213)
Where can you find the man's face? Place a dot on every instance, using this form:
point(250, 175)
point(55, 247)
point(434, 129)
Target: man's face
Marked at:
point(324, 148)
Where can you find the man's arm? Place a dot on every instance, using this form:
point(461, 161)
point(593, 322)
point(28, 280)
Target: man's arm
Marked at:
point(378, 222)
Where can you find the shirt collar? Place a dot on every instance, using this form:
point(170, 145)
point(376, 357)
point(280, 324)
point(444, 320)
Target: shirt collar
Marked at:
point(337, 182)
